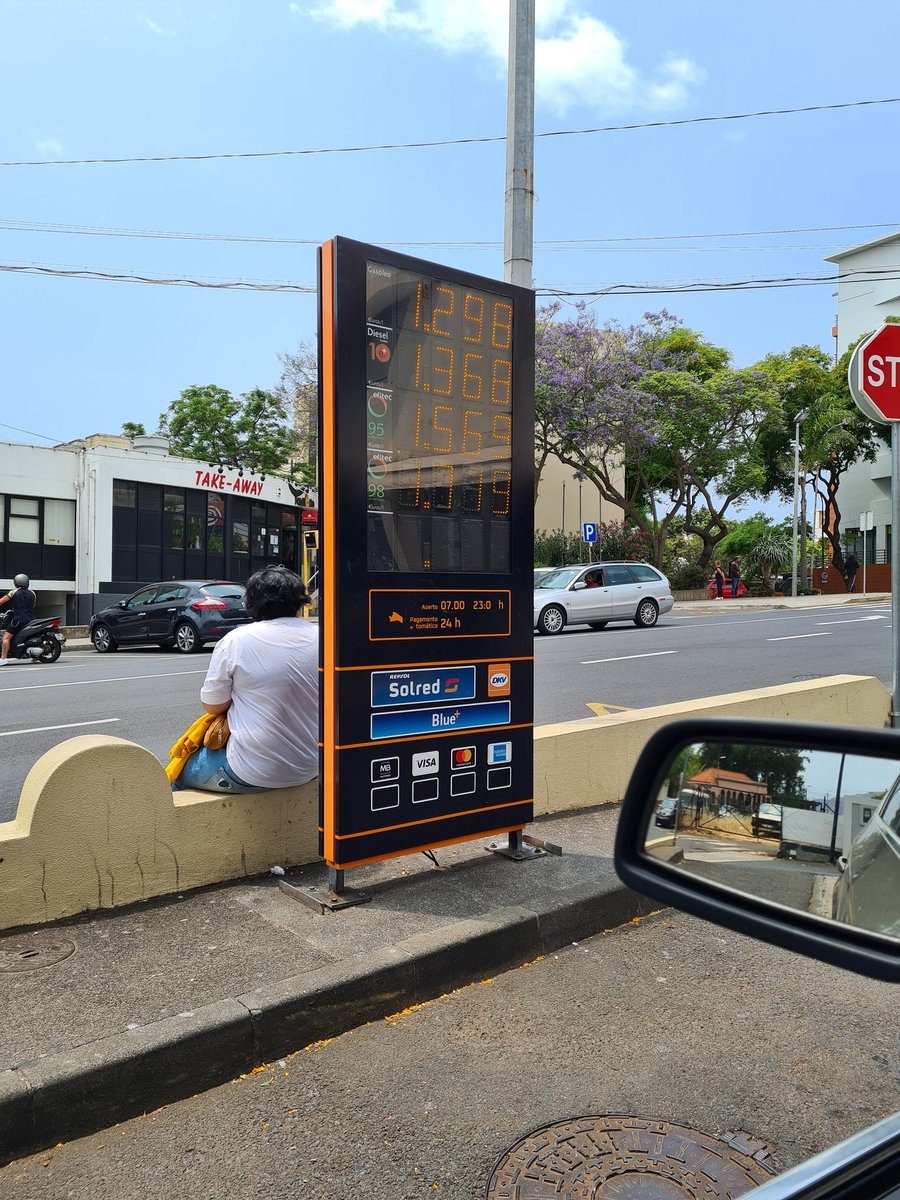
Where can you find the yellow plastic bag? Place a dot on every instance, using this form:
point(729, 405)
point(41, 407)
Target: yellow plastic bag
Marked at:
point(189, 743)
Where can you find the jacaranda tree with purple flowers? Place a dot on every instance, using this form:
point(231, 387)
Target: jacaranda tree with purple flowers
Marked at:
point(663, 402)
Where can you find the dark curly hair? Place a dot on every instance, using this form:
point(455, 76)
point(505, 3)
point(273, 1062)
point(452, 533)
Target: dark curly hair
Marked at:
point(275, 592)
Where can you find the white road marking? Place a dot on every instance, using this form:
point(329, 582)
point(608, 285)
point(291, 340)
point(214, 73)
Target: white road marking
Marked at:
point(74, 725)
point(853, 620)
point(33, 687)
point(796, 636)
point(625, 657)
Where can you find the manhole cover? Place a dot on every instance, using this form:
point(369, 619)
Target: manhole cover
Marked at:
point(628, 1158)
point(33, 950)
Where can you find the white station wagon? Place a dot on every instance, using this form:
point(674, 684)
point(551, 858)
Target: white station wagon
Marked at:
point(597, 594)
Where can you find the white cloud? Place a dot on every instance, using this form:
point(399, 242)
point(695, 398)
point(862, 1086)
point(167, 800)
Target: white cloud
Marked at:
point(51, 147)
point(579, 60)
point(153, 27)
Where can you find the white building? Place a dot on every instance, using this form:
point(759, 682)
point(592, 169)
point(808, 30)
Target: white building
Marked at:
point(868, 292)
point(91, 521)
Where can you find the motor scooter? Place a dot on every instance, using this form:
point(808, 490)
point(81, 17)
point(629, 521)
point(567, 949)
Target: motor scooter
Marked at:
point(40, 640)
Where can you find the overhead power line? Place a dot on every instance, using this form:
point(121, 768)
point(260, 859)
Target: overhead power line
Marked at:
point(643, 288)
point(16, 225)
point(235, 285)
point(470, 141)
point(868, 275)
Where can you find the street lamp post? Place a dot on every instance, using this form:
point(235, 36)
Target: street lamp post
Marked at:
point(800, 417)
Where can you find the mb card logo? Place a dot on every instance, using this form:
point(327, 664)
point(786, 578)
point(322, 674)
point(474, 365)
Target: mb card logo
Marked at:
point(427, 763)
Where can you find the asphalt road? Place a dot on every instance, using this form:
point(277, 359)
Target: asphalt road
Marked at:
point(687, 657)
point(670, 1018)
point(149, 695)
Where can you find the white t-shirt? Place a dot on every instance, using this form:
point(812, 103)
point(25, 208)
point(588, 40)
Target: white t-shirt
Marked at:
point(270, 672)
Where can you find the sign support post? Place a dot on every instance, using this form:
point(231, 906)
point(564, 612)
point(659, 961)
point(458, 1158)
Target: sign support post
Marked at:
point(895, 574)
point(874, 382)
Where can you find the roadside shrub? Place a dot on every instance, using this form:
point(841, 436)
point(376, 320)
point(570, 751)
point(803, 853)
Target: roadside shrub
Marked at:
point(553, 548)
point(619, 540)
point(688, 577)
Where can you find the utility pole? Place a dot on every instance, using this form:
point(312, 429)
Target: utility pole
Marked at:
point(518, 209)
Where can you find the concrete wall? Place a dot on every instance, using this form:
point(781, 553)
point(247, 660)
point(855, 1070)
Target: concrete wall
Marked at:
point(98, 827)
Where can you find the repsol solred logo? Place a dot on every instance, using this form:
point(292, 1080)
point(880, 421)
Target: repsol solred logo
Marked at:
point(498, 679)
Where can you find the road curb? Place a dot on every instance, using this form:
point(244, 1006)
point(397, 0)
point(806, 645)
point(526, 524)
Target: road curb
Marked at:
point(101, 1083)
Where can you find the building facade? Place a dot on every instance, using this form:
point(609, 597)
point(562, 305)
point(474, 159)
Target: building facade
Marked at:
point(93, 520)
point(868, 293)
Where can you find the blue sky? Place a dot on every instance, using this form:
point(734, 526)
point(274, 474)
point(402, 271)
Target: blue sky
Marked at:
point(118, 78)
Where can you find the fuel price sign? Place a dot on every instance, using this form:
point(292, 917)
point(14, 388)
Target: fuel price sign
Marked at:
point(425, 478)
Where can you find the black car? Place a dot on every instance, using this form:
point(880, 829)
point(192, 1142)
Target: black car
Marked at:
point(666, 813)
point(181, 613)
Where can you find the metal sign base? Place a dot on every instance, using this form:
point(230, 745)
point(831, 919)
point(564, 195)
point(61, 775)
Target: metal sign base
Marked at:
point(521, 848)
point(325, 899)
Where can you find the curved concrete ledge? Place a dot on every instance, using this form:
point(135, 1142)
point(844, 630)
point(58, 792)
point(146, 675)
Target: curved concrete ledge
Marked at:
point(97, 825)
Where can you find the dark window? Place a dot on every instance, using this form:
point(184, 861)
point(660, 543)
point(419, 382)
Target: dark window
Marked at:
point(142, 598)
point(124, 493)
point(171, 592)
point(643, 573)
point(617, 575)
point(173, 520)
point(240, 537)
point(258, 530)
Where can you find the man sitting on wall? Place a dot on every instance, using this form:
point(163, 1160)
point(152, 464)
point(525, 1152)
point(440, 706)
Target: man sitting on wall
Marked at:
point(22, 600)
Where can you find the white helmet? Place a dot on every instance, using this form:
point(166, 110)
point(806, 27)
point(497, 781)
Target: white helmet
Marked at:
point(21, 581)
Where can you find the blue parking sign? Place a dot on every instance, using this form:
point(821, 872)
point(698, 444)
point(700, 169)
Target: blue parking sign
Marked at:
point(589, 531)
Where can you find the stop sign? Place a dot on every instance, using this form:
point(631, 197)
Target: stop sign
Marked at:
point(874, 375)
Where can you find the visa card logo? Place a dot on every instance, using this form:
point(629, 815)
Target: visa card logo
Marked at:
point(428, 763)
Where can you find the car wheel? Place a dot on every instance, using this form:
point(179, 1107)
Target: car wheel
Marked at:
point(598, 624)
point(552, 620)
point(647, 614)
point(186, 640)
point(104, 642)
point(50, 650)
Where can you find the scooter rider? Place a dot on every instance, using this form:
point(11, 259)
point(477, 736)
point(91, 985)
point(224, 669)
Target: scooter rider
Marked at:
point(22, 600)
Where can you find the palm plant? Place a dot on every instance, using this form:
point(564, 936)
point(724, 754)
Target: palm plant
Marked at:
point(769, 551)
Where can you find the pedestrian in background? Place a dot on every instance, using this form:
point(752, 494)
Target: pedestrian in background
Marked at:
point(719, 577)
point(851, 566)
point(734, 572)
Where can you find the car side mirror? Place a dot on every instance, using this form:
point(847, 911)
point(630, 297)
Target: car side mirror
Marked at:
point(577, 587)
point(122, 604)
point(745, 822)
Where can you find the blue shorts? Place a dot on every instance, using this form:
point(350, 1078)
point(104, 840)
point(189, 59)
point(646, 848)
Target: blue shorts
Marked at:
point(208, 771)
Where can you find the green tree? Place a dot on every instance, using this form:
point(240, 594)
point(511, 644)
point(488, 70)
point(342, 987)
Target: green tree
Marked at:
point(665, 402)
point(253, 431)
point(834, 434)
point(133, 429)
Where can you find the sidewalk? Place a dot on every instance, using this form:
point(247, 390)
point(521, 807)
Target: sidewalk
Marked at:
point(168, 998)
point(118, 1012)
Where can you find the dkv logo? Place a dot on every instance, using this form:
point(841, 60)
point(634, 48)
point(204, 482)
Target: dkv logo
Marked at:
point(499, 679)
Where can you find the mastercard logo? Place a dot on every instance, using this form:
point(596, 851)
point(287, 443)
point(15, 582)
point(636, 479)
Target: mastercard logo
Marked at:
point(462, 756)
